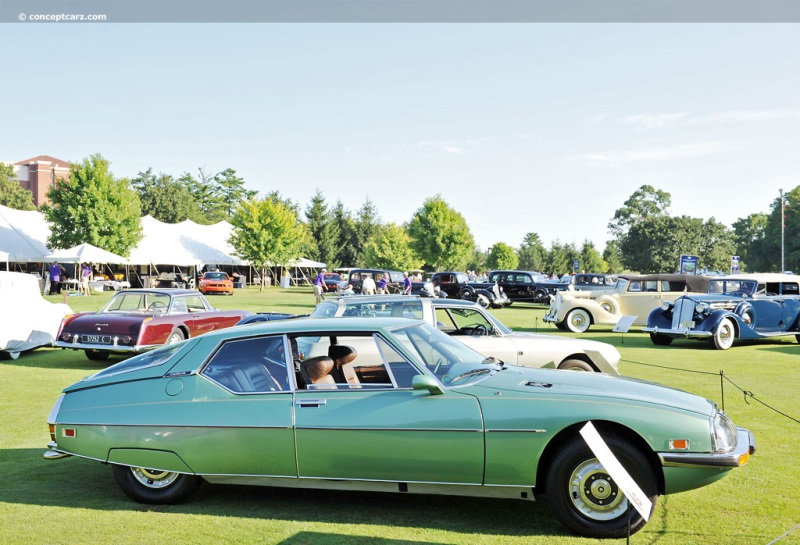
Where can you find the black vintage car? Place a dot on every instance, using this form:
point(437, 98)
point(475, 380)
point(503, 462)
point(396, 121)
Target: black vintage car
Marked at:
point(394, 285)
point(456, 284)
point(526, 286)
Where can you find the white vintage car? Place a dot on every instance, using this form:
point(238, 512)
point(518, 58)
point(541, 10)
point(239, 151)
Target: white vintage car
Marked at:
point(475, 327)
point(28, 320)
point(633, 295)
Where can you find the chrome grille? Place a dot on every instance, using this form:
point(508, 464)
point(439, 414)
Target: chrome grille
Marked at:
point(682, 313)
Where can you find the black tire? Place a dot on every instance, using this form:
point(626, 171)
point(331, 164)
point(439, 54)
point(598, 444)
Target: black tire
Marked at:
point(540, 296)
point(724, 335)
point(660, 340)
point(562, 325)
point(155, 486)
point(466, 293)
point(576, 365)
point(97, 355)
point(585, 499)
point(175, 337)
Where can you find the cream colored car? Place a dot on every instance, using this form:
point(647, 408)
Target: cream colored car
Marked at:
point(633, 295)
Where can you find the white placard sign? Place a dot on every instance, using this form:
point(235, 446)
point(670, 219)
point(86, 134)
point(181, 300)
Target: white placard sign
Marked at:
point(623, 479)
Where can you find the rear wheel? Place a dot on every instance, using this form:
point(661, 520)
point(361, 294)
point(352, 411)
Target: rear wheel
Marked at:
point(586, 499)
point(575, 365)
point(724, 335)
point(155, 486)
point(176, 337)
point(609, 305)
point(97, 355)
point(660, 340)
point(578, 320)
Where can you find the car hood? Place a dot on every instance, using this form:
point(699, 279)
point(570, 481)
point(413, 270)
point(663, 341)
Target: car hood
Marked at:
point(541, 383)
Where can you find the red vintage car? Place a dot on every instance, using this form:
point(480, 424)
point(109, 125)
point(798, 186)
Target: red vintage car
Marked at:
point(139, 320)
point(215, 282)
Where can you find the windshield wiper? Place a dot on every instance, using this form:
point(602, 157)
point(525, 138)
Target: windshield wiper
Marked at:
point(491, 360)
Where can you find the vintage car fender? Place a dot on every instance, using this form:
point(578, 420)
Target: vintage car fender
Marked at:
point(596, 312)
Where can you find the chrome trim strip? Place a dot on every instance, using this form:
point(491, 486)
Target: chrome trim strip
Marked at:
point(387, 429)
point(310, 402)
point(508, 430)
point(183, 426)
point(745, 443)
point(677, 332)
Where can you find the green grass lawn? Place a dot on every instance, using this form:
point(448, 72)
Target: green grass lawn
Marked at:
point(77, 501)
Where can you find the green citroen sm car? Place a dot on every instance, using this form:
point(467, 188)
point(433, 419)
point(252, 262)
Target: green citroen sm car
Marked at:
point(294, 404)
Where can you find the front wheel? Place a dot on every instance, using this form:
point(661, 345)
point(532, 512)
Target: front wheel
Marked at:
point(483, 301)
point(660, 340)
point(155, 486)
point(176, 337)
point(586, 499)
point(578, 320)
point(575, 365)
point(724, 335)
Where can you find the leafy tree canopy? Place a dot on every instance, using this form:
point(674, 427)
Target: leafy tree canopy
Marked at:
point(166, 199)
point(390, 248)
point(591, 260)
point(644, 203)
point(12, 194)
point(92, 206)
point(531, 253)
point(440, 235)
point(501, 256)
point(750, 237)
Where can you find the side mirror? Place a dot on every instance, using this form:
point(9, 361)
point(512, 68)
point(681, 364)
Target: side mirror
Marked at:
point(423, 382)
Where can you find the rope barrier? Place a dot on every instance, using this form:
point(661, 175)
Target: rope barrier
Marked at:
point(748, 394)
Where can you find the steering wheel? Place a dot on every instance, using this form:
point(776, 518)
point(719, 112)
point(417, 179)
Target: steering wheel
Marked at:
point(478, 330)
point(156, 305)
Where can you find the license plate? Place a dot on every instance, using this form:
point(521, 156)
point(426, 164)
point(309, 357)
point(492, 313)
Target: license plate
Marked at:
point(687, 325)
point(96, 339)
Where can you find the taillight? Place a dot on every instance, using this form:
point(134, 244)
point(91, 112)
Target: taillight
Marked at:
point(66, 336)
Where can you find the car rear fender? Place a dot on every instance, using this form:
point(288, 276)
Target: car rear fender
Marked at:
point(163, 460)
point(604, 427)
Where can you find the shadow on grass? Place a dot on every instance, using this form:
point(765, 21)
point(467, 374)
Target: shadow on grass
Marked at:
point(306, 538)
point(57, 358)
point(77, 483)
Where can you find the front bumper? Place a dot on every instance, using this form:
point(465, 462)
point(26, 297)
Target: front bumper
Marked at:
point(676, 333)
point(745, 446)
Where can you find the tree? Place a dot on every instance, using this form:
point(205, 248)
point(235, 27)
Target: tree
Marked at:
point(324, 231)
point(560, 257)
point(12, 194)
point(266, 232)
point(612, 258)
point(501, 256)
point(750, 235)
point(772, 232)
point(644, 203)
point(346, 251)
point(165, 199)
point(367, 225)
point(591, 260)
point(440, 235)
point(92, 206)
point(390, 248)
point(203, 189)
point(477, 260)
point(230, 190)
point(531, 253)
point(717, 245)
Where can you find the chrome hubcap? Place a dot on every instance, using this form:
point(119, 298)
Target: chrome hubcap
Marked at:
point(594, 493)
point(153, 478)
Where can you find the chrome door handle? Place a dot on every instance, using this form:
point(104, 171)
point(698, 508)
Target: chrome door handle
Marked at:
point(310, 402)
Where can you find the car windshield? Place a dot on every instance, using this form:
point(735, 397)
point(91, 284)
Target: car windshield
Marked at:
point(452, 362)
point(733, 287)
point(148, 359)
point(215, 276)
point(141, 301)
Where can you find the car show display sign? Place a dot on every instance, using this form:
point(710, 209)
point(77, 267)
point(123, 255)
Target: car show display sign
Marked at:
point(689, 264)
point(734, 264)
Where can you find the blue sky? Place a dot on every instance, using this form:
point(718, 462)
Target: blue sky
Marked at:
point(544, 128)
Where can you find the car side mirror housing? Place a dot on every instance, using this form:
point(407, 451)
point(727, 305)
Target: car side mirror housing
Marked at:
point(423, 382)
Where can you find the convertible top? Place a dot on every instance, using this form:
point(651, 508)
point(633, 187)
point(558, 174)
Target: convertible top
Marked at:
point(694, 282)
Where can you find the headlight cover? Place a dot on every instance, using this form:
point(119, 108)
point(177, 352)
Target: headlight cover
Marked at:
point(723, 433)
point(701, 308)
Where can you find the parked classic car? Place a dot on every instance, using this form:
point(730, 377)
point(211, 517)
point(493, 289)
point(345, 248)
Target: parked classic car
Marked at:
point(469, 323)
point(526, 286)
point(736, 307)
point(395, 283)
point(29, 320)
point(142, 319)
point(421, 413)
point(215, 282)
point(633, 295)
point(456, 284)
point(331, 280)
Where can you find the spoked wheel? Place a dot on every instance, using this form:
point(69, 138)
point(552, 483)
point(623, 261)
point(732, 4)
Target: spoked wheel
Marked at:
point(586, 499)
point(155, 486)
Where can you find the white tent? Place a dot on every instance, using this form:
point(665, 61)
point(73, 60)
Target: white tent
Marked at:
point(85, 253)
point(23, 234)
point(184, 244)
point(4, 257)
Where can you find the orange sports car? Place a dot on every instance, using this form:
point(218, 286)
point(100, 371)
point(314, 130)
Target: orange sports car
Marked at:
point(216, 282)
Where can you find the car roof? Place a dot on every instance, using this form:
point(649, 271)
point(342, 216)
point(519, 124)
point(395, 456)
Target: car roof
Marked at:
point(368, 299)
point(313, 325)
point(164, 291)
point(695, 282)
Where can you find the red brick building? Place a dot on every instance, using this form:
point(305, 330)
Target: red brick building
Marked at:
point(39, 173)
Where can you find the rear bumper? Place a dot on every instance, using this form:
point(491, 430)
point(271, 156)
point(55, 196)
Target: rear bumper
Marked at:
point(113, 347)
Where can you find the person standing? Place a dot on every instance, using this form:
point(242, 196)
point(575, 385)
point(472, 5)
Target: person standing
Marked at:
point(406, 284)
point(383, 281)
point(55, 278)
point(319, 285)
point(86, 274)
point(368, 286)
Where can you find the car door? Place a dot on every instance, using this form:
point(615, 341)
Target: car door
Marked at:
point(379, 428)
point(640, 299)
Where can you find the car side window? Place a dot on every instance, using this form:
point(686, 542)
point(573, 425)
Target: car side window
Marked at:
point(194, 303)
point(179, 305)
point(250, 366)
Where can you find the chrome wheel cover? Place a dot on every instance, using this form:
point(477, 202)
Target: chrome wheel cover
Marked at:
point(154, 478)
point(594, 494)
point(578, 320)
point(174, 338)
point(725, 334)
